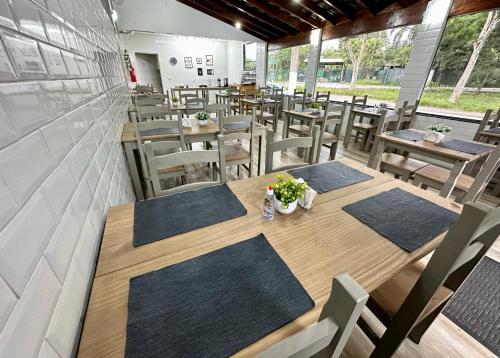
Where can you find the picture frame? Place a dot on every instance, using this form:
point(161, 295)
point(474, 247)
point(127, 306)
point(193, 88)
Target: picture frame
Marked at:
point(199, 60)
point(210, 71)
point(188, 62)
point(209, 59)
point(200, 71)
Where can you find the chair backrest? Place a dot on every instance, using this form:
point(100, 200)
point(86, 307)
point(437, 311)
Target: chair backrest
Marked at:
point(406, 115)
point(488, 117)
point(297, 142)
point(487, 172)
point(359, 101)
point(152, 100)
point(278, 91)
point(466, 242)
point(322, 97)
point(213, 108)
point(329, 336)
point(149, 113)
point(144, 89)
point(226, 122)
point(194, 104)
point(157, 163)
point(382, 125)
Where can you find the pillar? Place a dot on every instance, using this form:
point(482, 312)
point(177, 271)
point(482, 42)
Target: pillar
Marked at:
point(313, 60)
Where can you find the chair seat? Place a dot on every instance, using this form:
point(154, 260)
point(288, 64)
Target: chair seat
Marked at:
point(329, 137)
point(178, 168)
point(401, 162)
point(234, 152)
point(364, 126)
point(440, 175)
point(386, 300)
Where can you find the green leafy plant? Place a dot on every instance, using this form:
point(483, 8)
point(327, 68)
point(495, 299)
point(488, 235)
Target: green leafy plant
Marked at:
point(439, 128)
point(316, 105)
point(288, 190)
point(258, 93)
point(309, 95)
point(202, 116)
point(175, 99)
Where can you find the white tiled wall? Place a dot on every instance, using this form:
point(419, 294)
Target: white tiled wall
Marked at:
point(63, 101)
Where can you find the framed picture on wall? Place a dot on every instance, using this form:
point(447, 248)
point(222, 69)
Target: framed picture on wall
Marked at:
point(199, 60)
point(188, 62)
point(210, 71)
point(200, 71)
point(209, 59)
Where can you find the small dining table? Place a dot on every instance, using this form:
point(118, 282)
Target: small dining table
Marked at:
point(316, 245)
point(191, 135)
point(369, 112)
point(307, 115)
point(458, 159)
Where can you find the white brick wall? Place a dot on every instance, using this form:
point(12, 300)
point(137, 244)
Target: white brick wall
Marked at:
point(63, 101)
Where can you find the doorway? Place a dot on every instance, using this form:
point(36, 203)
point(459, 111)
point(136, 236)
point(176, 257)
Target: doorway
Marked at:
point(148, 72)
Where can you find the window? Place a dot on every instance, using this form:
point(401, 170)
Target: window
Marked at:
point(286, 67)
point(465, 75)
point(250, 56)
point(371, 64)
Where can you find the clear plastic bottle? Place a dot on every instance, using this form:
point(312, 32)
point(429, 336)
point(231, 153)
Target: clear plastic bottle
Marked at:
point(268, 207)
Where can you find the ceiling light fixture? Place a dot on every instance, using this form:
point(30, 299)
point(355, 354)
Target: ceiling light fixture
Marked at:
point(296, 1)
point(114, 15)
point(238, 25)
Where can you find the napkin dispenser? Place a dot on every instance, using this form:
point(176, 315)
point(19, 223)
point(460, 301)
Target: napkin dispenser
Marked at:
point(186, 123)
point(307, 200)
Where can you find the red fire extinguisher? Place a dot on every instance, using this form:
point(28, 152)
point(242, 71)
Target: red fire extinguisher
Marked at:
point(132, 74)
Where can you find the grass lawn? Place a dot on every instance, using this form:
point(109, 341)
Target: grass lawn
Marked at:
point(437, 98)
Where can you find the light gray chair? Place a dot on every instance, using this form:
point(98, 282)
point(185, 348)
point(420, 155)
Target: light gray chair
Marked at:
point(153, 100)
point(194, 105)
point(272, 146)
point(328, 337)
point(409, 302)
point(330, 128)
point(151, 113)
point(159, 163)
point(407, 115)
point(268, 110)
point(490, 120)
point(213, 108)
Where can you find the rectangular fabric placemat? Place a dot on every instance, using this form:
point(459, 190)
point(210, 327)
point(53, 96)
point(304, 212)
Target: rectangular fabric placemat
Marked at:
point(464, 146)
point(405, 219)
point(213, 305)
point(407, 134)
point(161, 218)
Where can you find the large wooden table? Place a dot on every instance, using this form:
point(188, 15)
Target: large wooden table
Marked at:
point(191, 135)
point(428, 149)
point(316, 245)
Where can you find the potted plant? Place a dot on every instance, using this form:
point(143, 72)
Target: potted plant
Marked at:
point(202, 118)
point(175, 101)
point(436, 133)
point(286, 194)
point(315, 107)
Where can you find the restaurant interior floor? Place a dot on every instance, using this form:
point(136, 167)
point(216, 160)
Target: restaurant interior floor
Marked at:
point(443, 339)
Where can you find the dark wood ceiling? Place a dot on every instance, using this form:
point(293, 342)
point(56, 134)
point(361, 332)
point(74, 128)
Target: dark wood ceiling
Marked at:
point(271, 20)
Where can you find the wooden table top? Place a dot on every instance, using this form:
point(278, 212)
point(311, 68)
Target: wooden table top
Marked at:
point(257, 101)
point(128, 133)
point(436, 149)
point(304, 114)
point(317, 245)
point(372, 111)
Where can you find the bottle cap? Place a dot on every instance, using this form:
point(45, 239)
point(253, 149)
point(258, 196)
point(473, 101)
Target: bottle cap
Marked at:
point(270, 190)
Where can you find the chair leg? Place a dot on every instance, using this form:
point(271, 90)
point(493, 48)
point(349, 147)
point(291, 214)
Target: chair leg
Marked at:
point(418, 331)
point(417, 181)
point(405, 177)
point(333, 150)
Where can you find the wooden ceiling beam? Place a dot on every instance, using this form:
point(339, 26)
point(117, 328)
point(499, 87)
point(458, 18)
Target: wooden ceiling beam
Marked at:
point(462, 7)
point(260, 16)
point(195, 5)
point(318, 10)
point(344, 9)
point(282, 16)
point(298, 11)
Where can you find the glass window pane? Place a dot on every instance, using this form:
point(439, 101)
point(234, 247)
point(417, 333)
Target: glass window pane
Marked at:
point(286, 67)
point(250, 56)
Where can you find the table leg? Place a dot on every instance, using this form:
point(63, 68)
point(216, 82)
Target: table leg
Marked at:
point(347, 136)
point(286, 120)
point(134, 173)
point(447, 188)
point(259, 157)
point(376, 154)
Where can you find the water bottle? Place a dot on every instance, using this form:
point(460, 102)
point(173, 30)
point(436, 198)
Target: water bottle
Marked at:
point(268, 207)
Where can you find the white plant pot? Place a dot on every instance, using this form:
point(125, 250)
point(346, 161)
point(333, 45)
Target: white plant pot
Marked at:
point(279, 207)
point(202, 123)
point(434, 137)
point(175, 104)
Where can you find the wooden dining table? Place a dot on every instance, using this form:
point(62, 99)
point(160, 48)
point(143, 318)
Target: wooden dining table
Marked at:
point(191, 135)
point(458, 159)
point(307, 116)
point(316, 244)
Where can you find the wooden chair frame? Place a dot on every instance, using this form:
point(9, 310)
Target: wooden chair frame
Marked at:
point(334, 119)
point(489, 118)
point(272, 107)
point(289, 143)
point(328, 337)
point(150, 113)
point(157, 163)
point(194, 105)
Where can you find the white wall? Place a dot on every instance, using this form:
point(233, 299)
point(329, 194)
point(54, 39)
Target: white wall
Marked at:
point(172, 17)
point(62, 106)
point(148, 71)
point(227, 57)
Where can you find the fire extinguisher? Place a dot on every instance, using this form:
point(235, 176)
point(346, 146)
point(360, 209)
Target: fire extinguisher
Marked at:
point(132, 74)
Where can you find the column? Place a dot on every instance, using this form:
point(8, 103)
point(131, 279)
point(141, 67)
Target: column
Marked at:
point(425, 45)
point(261, 65)
point(313, 60)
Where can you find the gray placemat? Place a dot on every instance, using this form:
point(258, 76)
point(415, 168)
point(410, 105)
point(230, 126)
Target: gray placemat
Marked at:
point(158, 131)
point(161, 218)
point(407, 134)
point(233, 125)
point(475, 307)
point(464, 146)
point(494, 130)
point(403, 218)
point(213, 305)
point(329, 176)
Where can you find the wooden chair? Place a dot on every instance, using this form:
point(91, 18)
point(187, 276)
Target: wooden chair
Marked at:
point(302, 95)
point(159, 163)
point(407, 115)
point(214, 108)
point(467, 188)
point(328, 337)
point(268, 110)
point(176, 143)
point(490, 119)
point(194, 105)
point(151, 113)
point(153, 100)
point(235, 153)
point(322, 98)
point(272, 146)
point(330, 129)
point(360, 127)
point(233, 101)
point(409, 302)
